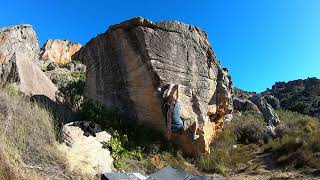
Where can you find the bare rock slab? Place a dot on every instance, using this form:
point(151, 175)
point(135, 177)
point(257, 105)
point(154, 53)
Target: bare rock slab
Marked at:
point(19, 52)
point(128, 63)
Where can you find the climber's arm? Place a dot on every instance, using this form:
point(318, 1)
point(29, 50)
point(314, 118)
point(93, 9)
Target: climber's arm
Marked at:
point(178, 91)
point(169, 90)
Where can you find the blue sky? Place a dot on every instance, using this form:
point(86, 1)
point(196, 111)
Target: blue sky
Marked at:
point(260, 42)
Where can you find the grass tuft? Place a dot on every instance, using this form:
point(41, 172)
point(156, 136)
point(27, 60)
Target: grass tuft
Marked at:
point(27, 134)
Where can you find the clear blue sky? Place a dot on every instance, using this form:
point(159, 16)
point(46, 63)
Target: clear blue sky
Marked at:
point(259, 41)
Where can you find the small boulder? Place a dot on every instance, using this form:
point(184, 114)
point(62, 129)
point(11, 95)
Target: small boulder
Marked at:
point(85, 153)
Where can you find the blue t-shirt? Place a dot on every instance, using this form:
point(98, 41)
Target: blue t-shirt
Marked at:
point(176, 123)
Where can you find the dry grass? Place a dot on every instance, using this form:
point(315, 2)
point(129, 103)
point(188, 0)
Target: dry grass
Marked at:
point(246, 131)
point(299, 143)
point(27, 136)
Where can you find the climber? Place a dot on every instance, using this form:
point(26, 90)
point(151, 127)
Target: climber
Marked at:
point(171, 107)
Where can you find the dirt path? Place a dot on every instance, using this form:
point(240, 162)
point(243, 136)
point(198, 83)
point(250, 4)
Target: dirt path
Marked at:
point(263, 167)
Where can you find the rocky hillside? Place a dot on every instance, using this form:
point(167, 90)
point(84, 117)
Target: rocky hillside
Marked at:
point(302, 96)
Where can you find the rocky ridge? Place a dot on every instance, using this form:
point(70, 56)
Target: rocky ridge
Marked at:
point(300, 95)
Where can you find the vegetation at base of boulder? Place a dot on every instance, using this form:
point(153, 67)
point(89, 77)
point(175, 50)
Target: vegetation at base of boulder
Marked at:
point(224, 157)
point(298, 144)
point(129, 142)
point(27, 137)
point(248, 128)
point(71, 87)
point(12, 89)
point(117, 146)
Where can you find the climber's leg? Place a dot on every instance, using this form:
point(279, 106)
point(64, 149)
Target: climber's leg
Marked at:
point(195, 135)
point(176, 123)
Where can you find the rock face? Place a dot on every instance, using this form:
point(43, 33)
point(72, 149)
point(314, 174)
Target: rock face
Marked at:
point(250, 101)
point(19, 51)
point(273, 101)
point(128, 63)
point(86, 153)
point(59, 51)
point(242, 104)
point(266, 109)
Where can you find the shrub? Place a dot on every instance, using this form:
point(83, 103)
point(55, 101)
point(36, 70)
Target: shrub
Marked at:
point(249, 127)
point(71, 88)
point(298, 142)
point(78, 75)
point(224, 158)
point(214, 162)
point(118, 148)
point(129, 144)
point(219, 158)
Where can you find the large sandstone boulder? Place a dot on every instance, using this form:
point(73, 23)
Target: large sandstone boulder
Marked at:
point(128, 63)
point(85, 153)
point(19, 51)
point(59, 51)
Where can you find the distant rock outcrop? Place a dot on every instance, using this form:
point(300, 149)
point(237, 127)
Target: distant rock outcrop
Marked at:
point(128, 63)
point(266, 109)
point(251, 101)
point(19, 50)
point(242, 104)
point(302, 96)
point(273, 101)
point(59, 51)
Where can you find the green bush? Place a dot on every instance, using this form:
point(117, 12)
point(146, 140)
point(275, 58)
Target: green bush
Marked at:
point(117, 146)
point(78, 75)
point(244, 132)
point(71, 88)
point(129, 141)
point(249, 127)
point(298, 143)
point(219, 158)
